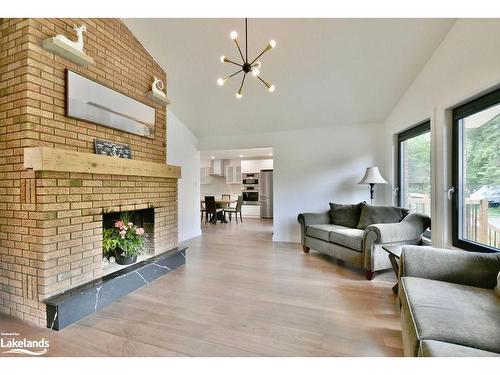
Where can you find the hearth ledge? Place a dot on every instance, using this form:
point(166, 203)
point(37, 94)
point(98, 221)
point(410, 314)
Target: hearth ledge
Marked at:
point(72, 305)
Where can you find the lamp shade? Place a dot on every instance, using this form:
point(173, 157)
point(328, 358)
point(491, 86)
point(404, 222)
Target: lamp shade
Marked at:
point(372, 176)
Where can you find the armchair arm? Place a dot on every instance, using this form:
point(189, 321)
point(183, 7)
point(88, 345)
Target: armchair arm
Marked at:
point(459, 267)
point(306, 219)
point(410, 228)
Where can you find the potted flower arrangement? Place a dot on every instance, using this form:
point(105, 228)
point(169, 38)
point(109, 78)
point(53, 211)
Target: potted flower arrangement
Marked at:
point(124, 240)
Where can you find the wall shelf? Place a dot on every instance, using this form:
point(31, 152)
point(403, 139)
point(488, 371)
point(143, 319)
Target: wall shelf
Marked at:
point(56, 160)
point(59, 48)
point(158, 99)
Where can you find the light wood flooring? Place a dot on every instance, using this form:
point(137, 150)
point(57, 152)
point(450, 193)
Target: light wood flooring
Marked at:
point(240, 294)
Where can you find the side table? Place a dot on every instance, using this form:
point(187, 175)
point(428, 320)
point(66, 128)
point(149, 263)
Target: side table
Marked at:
point(394, 252)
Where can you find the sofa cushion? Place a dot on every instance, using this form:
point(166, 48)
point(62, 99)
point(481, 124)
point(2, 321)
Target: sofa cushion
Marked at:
point(346, 215)
point(348, 237)
point(432, 348)
point(380, 215)
point(453, 313)
point(320, 231)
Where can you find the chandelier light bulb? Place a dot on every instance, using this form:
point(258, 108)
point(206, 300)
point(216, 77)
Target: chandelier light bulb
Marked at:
point(220, 82)
point(257, 64)
point(223, 59)
point(255, 72)
point(238, 95)
point(272, 43)
point(234, 35)
point(272, 88)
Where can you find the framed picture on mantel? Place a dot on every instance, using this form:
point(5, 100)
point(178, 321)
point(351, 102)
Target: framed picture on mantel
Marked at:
point(93, 102)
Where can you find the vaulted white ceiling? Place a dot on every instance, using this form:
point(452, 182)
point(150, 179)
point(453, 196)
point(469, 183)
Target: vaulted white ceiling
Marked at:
point(327, 72)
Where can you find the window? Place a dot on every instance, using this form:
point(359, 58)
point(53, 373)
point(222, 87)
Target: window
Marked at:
point(414, 169)
point(476, 174)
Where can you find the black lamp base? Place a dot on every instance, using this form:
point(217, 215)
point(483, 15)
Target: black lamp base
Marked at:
point(372, 192)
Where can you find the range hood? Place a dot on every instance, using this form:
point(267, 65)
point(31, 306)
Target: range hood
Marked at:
point(218, 167)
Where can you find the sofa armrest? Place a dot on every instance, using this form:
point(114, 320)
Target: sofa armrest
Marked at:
point(306, 219)
point(410, 228)
point(454, 266)
point(314, 218)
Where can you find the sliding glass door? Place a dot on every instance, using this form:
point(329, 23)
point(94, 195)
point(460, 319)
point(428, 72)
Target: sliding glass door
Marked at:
point(414, 169)
point(476, 174)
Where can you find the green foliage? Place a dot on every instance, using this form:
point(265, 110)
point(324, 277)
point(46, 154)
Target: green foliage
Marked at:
point(124, 236)
point(482, 155)
point(418, 153)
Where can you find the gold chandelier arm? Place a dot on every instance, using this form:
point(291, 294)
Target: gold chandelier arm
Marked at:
point(232, 75)
point(226, 60)
point(242, 83)
point(264, 82)
point(239, 50)
point(268, 47)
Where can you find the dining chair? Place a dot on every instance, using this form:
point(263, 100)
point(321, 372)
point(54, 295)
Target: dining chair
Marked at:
point(202, 209)
point(211, 209)
point(235, 210)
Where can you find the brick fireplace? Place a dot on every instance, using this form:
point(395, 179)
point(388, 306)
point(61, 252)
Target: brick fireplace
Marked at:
point(51, 213)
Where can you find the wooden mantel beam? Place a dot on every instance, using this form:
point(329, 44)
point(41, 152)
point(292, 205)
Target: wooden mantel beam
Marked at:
point(57, 160)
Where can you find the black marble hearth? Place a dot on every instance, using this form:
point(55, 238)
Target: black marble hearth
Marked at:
point(72, 305)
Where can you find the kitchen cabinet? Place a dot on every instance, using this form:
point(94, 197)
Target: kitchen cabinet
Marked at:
point(255, 166)
point(233, 174)
point(250, 211)
point(205, 177)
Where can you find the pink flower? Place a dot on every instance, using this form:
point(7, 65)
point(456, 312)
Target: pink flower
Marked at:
point(123, 232)
point(119, 224)
point(130, 224)
point(139, 231)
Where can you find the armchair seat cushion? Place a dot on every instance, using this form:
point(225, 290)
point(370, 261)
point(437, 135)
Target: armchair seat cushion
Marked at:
point(320, 231)
point(432, 348)
point(348, 237)
point(452, 313)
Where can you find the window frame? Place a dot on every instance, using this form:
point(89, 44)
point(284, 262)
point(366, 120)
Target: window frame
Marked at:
point(472, 107)
point(414, 131)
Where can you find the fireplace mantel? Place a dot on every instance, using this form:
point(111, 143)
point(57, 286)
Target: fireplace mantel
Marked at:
point(57, 160)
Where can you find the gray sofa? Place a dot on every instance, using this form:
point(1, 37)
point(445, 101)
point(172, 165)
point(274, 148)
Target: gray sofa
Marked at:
point(361, 247)
point(448, 304)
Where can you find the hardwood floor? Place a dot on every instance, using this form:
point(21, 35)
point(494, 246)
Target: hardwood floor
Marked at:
point(240, 294)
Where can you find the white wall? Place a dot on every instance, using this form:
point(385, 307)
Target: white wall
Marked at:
point(182, 150)
point(312, 168)
point(465, 65)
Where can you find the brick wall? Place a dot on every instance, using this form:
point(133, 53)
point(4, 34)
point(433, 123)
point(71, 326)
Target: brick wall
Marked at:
point(50, 223)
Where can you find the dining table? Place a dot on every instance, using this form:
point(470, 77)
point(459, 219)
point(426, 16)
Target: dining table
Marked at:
point(221, 203)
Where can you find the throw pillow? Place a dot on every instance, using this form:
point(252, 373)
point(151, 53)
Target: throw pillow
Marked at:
point(346, 215)
point(380, 214)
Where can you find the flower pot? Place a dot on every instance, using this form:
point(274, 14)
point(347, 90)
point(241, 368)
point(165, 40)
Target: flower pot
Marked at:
point(124, 259)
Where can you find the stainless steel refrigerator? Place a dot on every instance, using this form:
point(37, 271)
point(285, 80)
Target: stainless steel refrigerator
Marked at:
point(266, 193)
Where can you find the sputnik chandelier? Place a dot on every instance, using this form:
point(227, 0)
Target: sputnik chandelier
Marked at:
point(246, 66)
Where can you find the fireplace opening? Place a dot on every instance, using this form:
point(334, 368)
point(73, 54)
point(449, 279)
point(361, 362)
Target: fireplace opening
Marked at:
point(141, 218)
